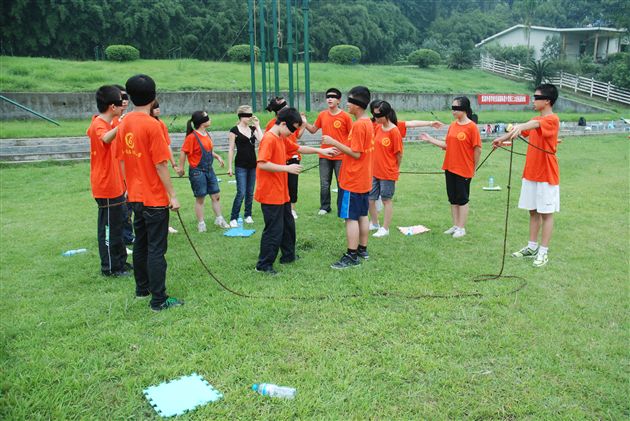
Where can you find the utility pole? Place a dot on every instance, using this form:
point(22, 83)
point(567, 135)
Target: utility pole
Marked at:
point(307, 73)
point(252, 52)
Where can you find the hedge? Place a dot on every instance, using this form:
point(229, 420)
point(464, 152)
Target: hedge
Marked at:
point(240, 52)
point(122, 53)
point(344, 54)
point(424, 57)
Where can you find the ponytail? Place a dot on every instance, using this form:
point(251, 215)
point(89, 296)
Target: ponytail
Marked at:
point(189, 128)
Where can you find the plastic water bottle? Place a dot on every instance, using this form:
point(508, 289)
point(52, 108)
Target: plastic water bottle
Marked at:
point(409, 231)
point(73, 252)
point(240, 221)
point(274, 391)
point(491, 181)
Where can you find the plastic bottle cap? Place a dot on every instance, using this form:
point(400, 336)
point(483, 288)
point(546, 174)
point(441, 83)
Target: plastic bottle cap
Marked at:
point(255, 387)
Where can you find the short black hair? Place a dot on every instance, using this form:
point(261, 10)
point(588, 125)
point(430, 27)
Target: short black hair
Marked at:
point(105, 96)
point(362, 94)
point(276, 104)
point(290, 116)
point(141, 89)
point(334, 91)
point(549, 90)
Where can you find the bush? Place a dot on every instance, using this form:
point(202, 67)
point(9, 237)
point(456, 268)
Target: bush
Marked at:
point(344, 54)
point(424, 58)
point(515, 55)
point(240, 52)
point(617, 70)
point(551, 48)
point(122, 53)
point(460, 59)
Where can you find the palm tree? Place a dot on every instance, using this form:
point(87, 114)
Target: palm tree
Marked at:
point(539, 70)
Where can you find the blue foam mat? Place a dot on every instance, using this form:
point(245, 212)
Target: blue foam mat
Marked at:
point(238, 232)
point(181, 395)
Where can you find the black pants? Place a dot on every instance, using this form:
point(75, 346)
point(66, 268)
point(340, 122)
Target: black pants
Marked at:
point(111, 246)
point(326, 169)
point(149, 263)
point(293, 182)
point(279, 234)
point(127, 224)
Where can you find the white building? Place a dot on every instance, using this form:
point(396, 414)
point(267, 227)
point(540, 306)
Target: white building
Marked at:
point(575, 42)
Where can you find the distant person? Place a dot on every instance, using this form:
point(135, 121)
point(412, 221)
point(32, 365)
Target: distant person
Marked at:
point(107, 184)
point(540, 190)
point(336, 123)
point(243, 137)
point(463, 149)
point(199, 149)
point(146, 155)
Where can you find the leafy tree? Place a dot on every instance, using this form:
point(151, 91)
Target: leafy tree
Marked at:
point(424, 58)
point(551, 48)
point(539, 70)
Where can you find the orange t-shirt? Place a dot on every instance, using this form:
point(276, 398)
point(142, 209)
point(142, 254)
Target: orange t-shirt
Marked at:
point(402, 128)
point(387, 145)
point(461, 141)
point(191, 147)
point(293, 138)
point(165, 131)
point(336, 126)
point(105, 175)
point(272, 188)
point(142, 146)
point(541, 166)
point(356, 174)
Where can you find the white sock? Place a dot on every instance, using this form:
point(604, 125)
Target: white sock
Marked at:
point(532, 245)
point(543, 250)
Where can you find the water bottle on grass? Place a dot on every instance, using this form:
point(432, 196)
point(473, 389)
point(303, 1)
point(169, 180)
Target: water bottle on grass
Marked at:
point(274, 391)
point(73, 252)
point(491, 182)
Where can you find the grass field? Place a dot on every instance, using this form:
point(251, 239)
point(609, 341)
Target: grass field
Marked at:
point(40, 128)
point(29, 74)
point(76, 345)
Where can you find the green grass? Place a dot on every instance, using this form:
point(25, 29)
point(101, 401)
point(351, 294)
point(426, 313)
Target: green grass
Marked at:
point(76, 345)
point(10, 129)
point(28, 74)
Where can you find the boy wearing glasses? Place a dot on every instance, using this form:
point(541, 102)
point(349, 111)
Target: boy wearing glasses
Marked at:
point(540, 191)
point(106, 181)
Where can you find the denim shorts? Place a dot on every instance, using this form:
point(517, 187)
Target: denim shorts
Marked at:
point(383, 188)
point(203, 182)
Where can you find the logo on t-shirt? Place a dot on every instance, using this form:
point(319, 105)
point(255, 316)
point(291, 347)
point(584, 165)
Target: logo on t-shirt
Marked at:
point(386, 142)
point(129, 140)
point(337, 124)
point(461, 136)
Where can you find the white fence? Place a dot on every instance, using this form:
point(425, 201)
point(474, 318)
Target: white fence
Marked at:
point(585, 85)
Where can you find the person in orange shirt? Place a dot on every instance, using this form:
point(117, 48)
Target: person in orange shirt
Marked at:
point(107, 185)
point(409, 124)
point(142, 146)
point(388, 151)
point(276, 105)
point(155, 113)
point(540, 190)
point(272, 190)
point(199, 149)
point(355, 178)
point(336, 123)
point(463, 149)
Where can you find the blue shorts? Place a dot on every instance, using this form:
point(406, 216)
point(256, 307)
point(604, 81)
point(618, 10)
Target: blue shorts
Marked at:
point(203, 182)
point(352, 205)
point(382, 188)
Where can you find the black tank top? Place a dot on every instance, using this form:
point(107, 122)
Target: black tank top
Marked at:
point(245, 148)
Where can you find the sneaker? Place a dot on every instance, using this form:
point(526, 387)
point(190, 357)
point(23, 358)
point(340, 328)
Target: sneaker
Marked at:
point(172, 230)
point(459, 232)
point(525, 252)
point(234, 223)
point(374, 227)
point(451, 230)
point(322, 212)
point(269, 271)
point(363, 254)
point(129, 252)
point(294, 213)
point(220, 222)
point(346, 262)
point(540, 260)
point(142, 295)
point(381, 232)
point(169, 303)
point(116, 274)
point(201, 227)
point(249, 220)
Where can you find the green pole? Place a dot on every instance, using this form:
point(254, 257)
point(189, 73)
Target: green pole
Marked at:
point(28, 109)
point(263, 49)
point(274, 13)
point(252, 54)
point(290, 51)
point(307, 72)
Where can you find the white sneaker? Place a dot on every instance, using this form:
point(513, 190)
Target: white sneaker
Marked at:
point(294, 213)
point(249, 220)
point(381, 232)
point(201, 226)
point(540, 260)
point(451, 230)
point(234, 223)
point(374, 227)
point(322, 212)
point(459, 232)
point(220, 222)
point(172, 230)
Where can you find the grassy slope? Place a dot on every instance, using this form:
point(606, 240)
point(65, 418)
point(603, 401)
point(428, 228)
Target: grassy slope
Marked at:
point(76, 345)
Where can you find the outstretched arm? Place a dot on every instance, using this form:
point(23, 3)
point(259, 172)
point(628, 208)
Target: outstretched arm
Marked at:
point(428, 138)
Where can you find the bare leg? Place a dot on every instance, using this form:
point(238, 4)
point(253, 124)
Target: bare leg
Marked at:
point(534, 225)
point(454, 214)
point(462, 215)
point(373, 212)
point(388, 212)
point(547, 228)
point(364, 230)
point(216, 205)
point(199, 208)
point(352, 233)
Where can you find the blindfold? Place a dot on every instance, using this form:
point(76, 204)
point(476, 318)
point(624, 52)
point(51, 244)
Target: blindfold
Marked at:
point(198, 122)
point(458, 108)
point(541, 97)
point(357, 102)
point(244, 115)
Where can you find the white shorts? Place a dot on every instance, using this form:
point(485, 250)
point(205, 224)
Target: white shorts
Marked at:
point(539, 196)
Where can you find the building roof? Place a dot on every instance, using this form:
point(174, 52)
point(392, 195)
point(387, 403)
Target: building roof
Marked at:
point(544, 28)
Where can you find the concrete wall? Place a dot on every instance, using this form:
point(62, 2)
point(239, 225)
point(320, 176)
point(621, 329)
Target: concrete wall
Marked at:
point(82, 105)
